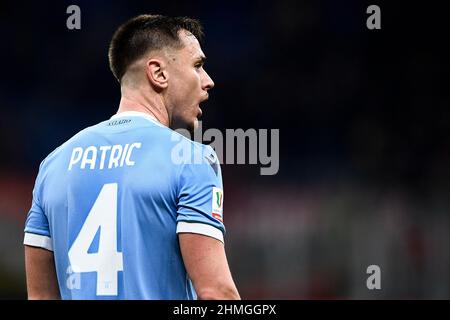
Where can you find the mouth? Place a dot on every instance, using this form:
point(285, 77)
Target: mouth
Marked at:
point(200, 112)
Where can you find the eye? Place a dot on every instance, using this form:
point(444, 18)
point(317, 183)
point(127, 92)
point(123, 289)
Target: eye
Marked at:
point(199, 65)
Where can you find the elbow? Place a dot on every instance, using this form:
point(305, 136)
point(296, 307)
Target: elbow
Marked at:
point(219, 293)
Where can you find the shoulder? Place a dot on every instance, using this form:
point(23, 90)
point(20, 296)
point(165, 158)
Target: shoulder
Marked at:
point(199, 164)
point(186, 151)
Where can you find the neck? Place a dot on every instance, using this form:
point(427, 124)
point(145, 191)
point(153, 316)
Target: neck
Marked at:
point(135, 100)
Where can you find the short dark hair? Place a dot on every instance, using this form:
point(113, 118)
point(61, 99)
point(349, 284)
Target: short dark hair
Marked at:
point(145, 33)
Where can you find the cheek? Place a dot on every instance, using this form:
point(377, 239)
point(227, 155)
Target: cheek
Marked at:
point(188, 84)
point(195, 80)
point(186, 94)
point(192, 86)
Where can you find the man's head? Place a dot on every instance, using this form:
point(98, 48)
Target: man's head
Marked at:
point(161, 57)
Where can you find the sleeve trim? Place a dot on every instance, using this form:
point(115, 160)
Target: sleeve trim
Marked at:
point(200, 228)
point(37, 240)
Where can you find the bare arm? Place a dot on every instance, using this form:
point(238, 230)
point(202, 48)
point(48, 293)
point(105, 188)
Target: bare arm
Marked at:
point(207, 266)
point(42, 283)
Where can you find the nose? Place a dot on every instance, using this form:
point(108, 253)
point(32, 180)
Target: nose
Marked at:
point(207, 82)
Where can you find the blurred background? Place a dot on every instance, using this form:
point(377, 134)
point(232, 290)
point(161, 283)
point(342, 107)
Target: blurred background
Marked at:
point(364, 125)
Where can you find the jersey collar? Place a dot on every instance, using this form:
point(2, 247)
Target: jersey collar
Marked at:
point(137, 114)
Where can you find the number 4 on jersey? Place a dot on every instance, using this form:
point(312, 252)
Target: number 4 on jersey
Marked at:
point(107, 262)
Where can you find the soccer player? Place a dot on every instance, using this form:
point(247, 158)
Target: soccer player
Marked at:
point(116, 213)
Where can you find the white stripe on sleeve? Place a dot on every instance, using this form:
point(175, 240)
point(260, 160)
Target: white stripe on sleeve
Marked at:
point(37, 240)
point(200, 228)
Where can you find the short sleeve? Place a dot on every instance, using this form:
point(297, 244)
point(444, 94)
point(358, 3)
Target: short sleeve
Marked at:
point(200, 198)
point(37, 231)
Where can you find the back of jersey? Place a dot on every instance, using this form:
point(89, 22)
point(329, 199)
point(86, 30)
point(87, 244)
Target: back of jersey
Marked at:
point(109, 203)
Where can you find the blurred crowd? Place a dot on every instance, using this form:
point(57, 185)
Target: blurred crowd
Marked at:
point(364, 123)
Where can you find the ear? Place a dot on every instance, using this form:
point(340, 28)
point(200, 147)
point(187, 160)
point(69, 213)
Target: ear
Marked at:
point(157, 73)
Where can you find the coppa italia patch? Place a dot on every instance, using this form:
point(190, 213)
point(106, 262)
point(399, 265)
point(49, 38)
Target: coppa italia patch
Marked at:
point(217, 203)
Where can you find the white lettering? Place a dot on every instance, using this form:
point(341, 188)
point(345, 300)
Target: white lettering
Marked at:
point(116, 152)
point(76, 156)
point(124, 153)
point(134, 145)
point(103, 149)
point(112, 156)
point(89, 160)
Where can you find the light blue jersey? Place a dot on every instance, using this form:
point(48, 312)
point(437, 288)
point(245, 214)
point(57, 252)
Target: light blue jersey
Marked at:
point(110, 201)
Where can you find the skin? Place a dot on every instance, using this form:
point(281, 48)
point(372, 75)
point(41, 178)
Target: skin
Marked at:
point(206, 263)
point(42, 283)
point(169, 85)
